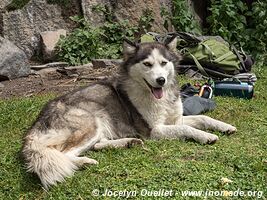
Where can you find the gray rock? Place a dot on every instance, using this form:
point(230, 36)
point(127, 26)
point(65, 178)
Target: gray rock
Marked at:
point(49, 40)
point(4, 3)
point(103, 63)
point(127, 9)
point(23, 27)
point(13, 62)
point(96, 18)
point(133, 10)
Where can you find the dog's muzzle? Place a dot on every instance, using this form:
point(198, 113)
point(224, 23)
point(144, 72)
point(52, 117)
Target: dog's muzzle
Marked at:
point(156, 91)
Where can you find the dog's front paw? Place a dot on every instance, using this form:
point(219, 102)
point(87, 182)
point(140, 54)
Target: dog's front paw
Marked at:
point(134, 142)
point(228, 129)
point(208, 138)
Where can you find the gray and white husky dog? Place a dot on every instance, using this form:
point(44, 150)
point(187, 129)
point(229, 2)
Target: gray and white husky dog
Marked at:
point(142, 102)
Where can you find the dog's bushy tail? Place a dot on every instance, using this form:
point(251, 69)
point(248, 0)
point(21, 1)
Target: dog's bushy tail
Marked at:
point(48, 163)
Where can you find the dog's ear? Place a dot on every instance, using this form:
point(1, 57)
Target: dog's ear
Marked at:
point(171, 43)
point(129, 48)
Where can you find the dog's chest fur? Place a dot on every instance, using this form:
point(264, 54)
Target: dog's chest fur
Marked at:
point(167, 110)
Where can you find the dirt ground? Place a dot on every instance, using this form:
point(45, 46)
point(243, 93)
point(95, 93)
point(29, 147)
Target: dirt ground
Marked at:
point(56, 81)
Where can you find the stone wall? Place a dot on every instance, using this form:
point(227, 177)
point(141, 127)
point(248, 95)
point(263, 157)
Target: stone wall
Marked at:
point(131, 10)
point(23, 26)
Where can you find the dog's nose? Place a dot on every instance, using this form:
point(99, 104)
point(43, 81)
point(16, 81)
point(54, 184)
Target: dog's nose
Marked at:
point(160, 81)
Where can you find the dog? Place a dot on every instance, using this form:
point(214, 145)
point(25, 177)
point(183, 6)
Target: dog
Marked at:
point(141, 102)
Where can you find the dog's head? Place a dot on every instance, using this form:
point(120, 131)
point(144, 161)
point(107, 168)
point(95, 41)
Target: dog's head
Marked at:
point(151, 65)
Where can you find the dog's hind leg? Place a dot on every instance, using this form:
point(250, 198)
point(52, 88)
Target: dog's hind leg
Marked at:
point(204, 123)
point(74, 152)
point(119, 143)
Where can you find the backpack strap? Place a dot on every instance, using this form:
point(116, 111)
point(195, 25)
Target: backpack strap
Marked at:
point(218, 74)
point(201, 69)
point(189, 38)
point(240, 59)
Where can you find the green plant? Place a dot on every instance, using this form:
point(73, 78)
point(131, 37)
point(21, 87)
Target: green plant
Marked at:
point(167, 17)
point(81, 45)
point(228, 20)
point(87, 42)
point(182, 17)
point(257, 31)
point(241, 25)
point(115, 30)
point(145, 21)
point(16, 4)
point(105, 11)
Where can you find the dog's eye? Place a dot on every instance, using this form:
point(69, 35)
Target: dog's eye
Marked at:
point(163, 63)
point(147, 64)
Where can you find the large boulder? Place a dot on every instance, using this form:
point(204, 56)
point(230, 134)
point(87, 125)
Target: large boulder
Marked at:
point(133, 10)
point(95, 18)
point(128, 9)
point(23, 26)
point(13, 62)
point(4, 3)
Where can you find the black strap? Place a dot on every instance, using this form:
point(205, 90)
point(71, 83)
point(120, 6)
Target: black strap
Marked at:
point(189, 38)
point(239, 58)
point(220, 74)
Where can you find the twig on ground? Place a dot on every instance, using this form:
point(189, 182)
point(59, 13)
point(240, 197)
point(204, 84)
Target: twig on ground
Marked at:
point(50, 65)
point(92, 78)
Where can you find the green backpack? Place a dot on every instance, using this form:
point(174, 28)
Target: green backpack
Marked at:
point(211, 55)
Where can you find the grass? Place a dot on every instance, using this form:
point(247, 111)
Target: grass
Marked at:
point(170, 165)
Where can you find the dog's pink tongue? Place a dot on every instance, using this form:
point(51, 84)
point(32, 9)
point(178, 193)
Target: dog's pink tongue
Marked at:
point(157, 92)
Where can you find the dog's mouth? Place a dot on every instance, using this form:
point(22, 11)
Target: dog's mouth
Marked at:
point(156, 91)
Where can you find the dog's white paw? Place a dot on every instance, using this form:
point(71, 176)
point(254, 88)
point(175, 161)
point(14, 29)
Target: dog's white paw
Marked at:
point(208, 138)
point(228, 129)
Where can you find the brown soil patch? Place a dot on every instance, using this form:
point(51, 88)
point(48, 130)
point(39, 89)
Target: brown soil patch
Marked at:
point(53, 82)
